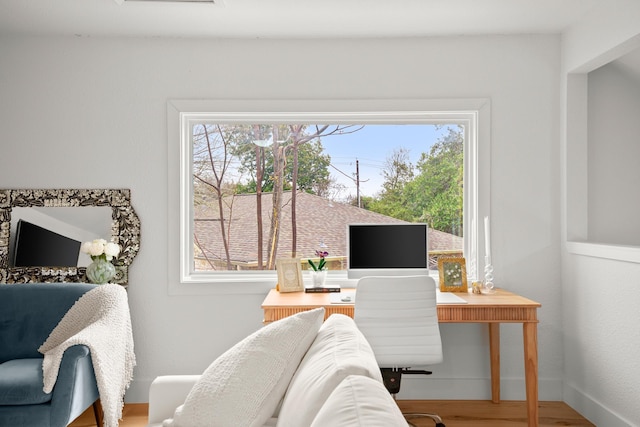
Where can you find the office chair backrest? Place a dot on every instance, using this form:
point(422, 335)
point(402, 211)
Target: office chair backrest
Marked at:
point(399, 318)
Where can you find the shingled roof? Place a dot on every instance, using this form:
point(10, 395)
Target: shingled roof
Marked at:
point(318, 219)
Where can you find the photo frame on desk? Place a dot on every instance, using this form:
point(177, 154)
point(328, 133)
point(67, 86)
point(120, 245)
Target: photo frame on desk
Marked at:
point(453, 274)
point(289, 275)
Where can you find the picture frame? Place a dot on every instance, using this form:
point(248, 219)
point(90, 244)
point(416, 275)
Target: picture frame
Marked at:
point(289, 275)
point(453, 274)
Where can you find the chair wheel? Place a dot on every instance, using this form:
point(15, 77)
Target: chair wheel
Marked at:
point(440, 425)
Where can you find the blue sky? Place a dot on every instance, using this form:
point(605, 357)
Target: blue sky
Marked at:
point(371, 146)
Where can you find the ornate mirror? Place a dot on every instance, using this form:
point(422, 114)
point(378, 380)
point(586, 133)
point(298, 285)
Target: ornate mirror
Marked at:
point(72, 203)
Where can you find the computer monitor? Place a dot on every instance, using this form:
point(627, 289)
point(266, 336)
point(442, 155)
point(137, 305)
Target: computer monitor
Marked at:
point(387, 249)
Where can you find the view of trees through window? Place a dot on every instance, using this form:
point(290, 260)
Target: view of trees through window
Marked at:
point(265, 191)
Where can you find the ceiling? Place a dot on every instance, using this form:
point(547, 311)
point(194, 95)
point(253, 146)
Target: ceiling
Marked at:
point(289, 18)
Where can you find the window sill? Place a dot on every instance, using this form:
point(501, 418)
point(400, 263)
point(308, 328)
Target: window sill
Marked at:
point(256, 283)
point(607, 251)
point(247, 283)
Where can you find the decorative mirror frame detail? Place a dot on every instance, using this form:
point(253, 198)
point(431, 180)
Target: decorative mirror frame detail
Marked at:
point(125, 231)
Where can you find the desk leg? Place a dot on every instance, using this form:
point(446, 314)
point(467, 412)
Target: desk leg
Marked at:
point(494, 353)
point(530, 335)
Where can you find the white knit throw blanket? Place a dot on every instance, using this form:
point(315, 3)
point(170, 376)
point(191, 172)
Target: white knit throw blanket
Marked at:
point(100, 319)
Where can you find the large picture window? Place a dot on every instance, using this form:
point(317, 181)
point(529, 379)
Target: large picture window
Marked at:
point(260, 186)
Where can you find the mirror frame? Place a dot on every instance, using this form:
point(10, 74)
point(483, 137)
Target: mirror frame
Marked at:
point(125, 231)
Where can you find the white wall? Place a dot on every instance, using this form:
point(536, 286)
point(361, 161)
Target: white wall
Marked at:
point(600, 282)
point(90, 112)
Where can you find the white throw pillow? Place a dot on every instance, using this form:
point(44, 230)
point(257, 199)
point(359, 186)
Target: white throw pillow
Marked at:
point(359, 402)
point(338, 351)
point(243, 387)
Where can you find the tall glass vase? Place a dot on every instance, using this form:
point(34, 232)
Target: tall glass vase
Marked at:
point(101, 271)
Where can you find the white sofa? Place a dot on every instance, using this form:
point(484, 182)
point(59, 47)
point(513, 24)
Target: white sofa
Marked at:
point(296, 372)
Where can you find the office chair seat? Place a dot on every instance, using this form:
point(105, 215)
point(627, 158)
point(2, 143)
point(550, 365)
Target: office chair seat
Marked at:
point(399, 318)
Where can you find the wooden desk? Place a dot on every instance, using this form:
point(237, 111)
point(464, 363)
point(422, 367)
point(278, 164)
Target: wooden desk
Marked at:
point(501, 307)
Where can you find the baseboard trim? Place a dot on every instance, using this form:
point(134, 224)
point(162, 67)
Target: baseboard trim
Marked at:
point(592, 409)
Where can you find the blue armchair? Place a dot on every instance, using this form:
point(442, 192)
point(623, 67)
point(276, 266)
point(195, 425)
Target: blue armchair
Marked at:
point(28, 314)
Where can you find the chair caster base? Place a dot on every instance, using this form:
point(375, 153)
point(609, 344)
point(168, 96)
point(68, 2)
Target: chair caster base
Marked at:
point(434, 417)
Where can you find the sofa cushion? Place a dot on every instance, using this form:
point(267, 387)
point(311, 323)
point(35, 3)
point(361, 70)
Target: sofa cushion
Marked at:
point(244, 385)
point(338, 351)
point(21, 382)
point(359, 402)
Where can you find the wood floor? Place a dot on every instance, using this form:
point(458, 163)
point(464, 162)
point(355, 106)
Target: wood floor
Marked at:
point(454, 413)
point(476, 413)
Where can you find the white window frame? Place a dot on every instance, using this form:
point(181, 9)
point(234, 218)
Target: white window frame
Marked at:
point(473, 114)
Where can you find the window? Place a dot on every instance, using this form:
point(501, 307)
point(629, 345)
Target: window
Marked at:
point(238, 210)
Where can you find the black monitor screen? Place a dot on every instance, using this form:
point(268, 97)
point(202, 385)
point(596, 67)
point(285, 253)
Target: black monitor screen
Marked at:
point(387, 246)
point(37, 246)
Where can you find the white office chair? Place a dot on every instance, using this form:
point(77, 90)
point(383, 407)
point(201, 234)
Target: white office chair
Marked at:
point(399, 318)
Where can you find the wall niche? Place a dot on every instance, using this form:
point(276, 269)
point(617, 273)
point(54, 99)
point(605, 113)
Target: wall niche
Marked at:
point(613, 165)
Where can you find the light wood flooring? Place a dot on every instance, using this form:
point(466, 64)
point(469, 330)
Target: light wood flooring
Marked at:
point(455, 413)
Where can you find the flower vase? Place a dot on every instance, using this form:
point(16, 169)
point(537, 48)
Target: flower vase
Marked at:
point(100, 271)
point(318, 278)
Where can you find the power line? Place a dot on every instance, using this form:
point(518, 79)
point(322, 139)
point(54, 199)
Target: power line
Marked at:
point(356, 180)
point(343, 173)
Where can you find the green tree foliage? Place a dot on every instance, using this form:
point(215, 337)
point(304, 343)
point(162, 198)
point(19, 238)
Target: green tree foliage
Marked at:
point(437, 191)
point(431, 192)
point(313, 169)
point(397, 173)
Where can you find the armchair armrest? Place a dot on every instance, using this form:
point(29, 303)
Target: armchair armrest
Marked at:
point(166, 393)
point(76, 388)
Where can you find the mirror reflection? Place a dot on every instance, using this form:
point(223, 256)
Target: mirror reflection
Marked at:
point(53, 235)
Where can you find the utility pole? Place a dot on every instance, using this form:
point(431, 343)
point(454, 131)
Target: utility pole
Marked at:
point(356, 180)
point(358, 183)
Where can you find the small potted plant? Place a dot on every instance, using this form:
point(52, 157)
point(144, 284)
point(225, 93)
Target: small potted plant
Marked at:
point(319, 271)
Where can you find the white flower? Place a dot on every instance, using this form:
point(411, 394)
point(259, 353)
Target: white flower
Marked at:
point(96, 248)
point(101, 248)
point(85, 247)
point(111, 250)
